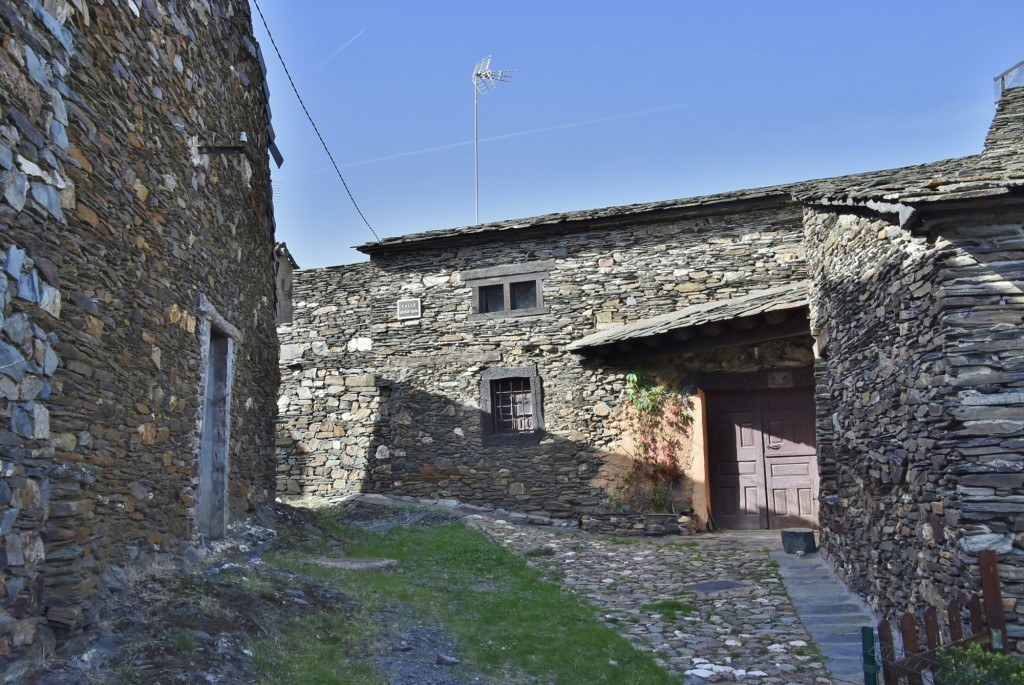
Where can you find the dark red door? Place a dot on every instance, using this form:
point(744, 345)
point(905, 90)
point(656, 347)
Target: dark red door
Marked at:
point(763, 461)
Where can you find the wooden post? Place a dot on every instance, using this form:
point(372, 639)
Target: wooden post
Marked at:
point(888, 651)
point(908, 630)
point(993, 600)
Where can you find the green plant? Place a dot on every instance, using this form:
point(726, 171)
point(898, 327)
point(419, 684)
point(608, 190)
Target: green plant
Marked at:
point(126, 674)
point(973, 664)
point(184, 642)
point(658, 417)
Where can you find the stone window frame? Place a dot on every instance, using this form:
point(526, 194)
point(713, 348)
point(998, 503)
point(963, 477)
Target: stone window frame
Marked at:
point(490, 437)
point(505, 276)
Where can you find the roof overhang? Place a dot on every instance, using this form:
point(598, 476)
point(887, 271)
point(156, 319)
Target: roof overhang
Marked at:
point(759, 316)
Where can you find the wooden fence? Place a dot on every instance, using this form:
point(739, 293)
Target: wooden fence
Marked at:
point(984, 624)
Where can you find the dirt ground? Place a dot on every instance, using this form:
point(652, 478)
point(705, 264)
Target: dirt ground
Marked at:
point(170, 625)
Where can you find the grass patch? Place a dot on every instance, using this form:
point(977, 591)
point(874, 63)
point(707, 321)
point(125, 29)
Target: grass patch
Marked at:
point(317, 650)
point(539, 552)
point(519, 629)
point(669, 609)
point(769, 571)
point(184, 643)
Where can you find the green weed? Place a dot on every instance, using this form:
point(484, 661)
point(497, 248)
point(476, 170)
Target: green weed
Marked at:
point(539, 552)
point(184, 643)
point(669, 609)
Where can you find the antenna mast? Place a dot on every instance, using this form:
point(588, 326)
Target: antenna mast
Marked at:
point(484, 81)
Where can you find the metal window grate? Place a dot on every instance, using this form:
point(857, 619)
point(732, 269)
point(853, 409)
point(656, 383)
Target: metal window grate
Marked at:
point(512, 405)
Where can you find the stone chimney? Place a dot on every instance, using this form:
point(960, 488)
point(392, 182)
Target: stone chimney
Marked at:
point(1006, 135)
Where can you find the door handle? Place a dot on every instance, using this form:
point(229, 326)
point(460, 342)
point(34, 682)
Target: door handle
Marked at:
point(775, 447)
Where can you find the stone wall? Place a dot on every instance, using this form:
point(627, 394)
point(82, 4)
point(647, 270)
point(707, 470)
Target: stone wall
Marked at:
point(920, 428)
point(430, 368)
point(879, 400)
point(116, 230)
point(27, 364)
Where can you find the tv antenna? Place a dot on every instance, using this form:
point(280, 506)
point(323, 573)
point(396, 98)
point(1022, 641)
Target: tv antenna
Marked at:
point(485, 80)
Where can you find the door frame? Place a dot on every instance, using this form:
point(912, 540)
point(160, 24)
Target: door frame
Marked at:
point(217, 339)
point(769, 379)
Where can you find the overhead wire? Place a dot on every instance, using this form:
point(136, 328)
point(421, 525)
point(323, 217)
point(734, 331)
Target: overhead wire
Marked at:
point(309, 116)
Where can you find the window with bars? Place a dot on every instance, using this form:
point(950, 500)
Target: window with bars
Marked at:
point(511, 405)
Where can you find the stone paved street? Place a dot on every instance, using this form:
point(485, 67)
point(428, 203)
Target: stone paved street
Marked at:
point(712, 607)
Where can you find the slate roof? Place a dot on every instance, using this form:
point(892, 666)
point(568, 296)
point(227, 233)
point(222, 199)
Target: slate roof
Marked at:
point(997, 171)
point(597, 218)
point(788, 296)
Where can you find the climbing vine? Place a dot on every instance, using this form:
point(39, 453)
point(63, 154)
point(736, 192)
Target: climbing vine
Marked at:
point(658, 417)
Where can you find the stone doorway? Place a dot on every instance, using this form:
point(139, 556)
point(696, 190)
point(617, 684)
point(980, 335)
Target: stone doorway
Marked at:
point(211, 497)
point(762, 458)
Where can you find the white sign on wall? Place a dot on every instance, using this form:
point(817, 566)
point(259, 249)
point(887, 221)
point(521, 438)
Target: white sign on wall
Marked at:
point(409, 309)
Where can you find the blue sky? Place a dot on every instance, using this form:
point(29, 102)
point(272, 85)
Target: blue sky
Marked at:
point(610, 103)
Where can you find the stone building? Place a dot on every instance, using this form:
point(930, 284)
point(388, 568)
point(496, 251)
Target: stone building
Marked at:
point(853, 347)
point(138, 353)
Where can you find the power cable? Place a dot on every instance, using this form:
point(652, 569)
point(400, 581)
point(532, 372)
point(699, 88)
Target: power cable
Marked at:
point(313, 123)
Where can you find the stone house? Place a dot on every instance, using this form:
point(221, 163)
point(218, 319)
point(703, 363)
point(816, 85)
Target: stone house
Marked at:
point(853, 347)
point(138, 352)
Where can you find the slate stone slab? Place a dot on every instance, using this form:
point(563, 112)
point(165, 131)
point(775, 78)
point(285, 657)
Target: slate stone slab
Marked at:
point(11, 362)
point(714, 589)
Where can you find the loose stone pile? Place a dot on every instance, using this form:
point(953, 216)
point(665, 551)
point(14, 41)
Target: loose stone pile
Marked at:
point(712, 609)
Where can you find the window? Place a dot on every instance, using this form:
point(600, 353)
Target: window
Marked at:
point(511, 405)
point(492, 298)
point(507, 291)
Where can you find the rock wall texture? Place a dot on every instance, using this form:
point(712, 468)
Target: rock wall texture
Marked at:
point(372, 401)
point(921, 416)
point(121, 243)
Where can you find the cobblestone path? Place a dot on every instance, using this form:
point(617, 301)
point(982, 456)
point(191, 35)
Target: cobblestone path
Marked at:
point(711, 607)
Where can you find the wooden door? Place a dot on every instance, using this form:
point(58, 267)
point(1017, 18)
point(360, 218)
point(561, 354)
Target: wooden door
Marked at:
point(736, 456)
point(763, 459)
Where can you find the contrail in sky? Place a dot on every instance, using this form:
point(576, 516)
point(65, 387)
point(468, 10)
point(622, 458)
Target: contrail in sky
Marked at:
point(532, 131)
point(335, 53)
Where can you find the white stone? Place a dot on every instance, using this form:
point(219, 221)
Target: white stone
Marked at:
point(49, 300)
point(1001, 544)
point(360, 345)
point(40, 422)
point(700, 672)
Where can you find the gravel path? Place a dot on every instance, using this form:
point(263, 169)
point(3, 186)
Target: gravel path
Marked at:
point(711, 607)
